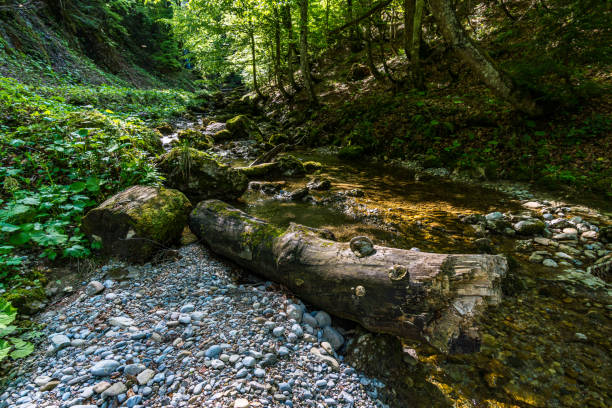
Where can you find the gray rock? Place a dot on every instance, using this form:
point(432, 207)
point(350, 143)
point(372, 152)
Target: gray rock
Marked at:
point(59, 341)
point(104, 368)
point(93, 288)
point(188, 308)
point(308, 319)
point(121, 321)
point(145, 376)
point(278, 331)
point(333, 337)
point(133, 369)
point(295, 312)
point(550, 263)
point(114, 390)
point(323, 319)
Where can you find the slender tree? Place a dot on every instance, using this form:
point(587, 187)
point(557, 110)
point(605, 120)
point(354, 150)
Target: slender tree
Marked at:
point(477, 59)
point(288, 25)
point(304, 62)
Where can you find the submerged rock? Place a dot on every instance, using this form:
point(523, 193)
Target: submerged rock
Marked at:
point(200, 176)
point(139, 221)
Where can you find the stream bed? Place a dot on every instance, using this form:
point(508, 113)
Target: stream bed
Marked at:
point(548, 343)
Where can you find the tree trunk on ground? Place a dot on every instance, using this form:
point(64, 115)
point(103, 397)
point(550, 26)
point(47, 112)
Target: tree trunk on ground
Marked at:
point(277, 55)
point(478, 60)
point(304, 63)
point(286, 17)
point(411, 294)
point(415, 63)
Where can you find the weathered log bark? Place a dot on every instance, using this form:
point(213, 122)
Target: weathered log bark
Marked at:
point(269, 155)
point(435, 297)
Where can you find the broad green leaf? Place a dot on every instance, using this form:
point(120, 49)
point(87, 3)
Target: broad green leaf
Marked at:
point(5, 348)
point(6, 227)
point(22, 351)
point(20, 238)
point(77, 187)
point(5, 331)
point(93, 184)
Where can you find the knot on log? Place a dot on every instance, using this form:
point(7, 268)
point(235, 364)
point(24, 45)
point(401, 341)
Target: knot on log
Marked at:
point(362, 246)
point(360, 291)
point(397, 272)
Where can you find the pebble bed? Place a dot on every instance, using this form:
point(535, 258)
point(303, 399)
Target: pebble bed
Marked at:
point(184, 334)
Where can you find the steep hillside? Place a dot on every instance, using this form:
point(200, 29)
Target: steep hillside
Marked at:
point(93, 42)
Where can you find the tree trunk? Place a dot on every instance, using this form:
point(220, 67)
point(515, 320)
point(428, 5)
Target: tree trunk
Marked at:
point(408, 19)
point(304, 63)
point(433, 297)
point(478, 60)
point(415, 63)
point(286, 17)
point(277, 55)
point(254, 64)
point(370, 54)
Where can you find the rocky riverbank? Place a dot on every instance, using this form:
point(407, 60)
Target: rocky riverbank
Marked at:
point(187, 333)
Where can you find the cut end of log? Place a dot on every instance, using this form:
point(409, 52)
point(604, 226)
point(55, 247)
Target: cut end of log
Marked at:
point(438, 298)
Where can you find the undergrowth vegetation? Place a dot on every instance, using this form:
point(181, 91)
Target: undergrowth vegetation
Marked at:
point(65, 150)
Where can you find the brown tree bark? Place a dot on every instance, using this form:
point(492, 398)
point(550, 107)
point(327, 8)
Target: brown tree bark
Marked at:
point(277, 55)
point(434, 297)
point(288, 25)
point(254, 61)
point(478, 60)
point(415, 51)
point(304, 62)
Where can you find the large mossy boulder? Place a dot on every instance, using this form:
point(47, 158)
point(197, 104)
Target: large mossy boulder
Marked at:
point(201, 176)
point(195, 139)
point(136, 223)
point(241, 127)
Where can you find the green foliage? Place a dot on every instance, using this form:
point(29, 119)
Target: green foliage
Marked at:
point(15, 347)
point(59, 159)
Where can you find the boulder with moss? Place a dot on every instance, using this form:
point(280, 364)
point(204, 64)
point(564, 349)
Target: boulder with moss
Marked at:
point(136, 223)
point(241, 127)
point(195, 139)
point(201, 176)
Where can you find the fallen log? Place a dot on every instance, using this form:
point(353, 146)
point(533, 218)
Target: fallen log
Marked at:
point(269, 155)
point(426, 296)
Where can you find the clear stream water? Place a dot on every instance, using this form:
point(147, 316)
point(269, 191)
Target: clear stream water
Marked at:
point(531, 354)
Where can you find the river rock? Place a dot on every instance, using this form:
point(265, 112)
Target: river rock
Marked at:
point(137, 222)
point(333, 337)
point(121, 321)
point(145, 376)
point(93, 288)
point(200, 176)
point(114, 390)
point(104, 368)
point(319, 184)
point(531, 226)
point(59, 341)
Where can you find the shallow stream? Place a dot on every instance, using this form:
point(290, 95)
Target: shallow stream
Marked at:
point(547, 345)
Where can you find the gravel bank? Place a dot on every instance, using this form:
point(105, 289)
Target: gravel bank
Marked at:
point(184, 334)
